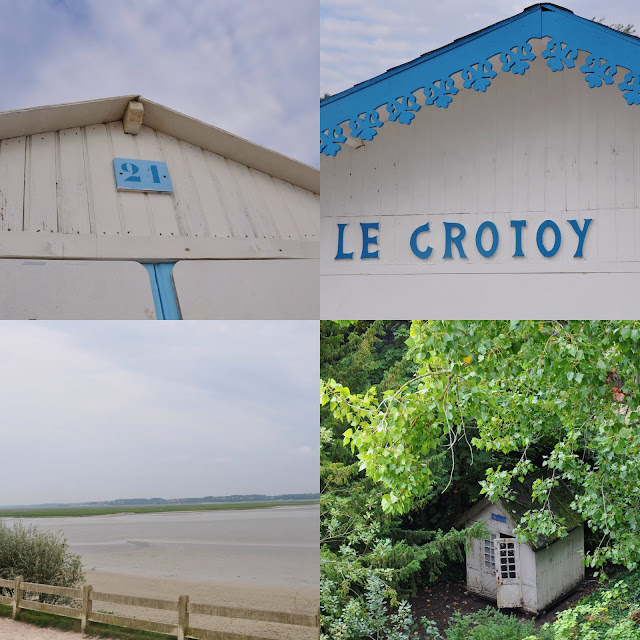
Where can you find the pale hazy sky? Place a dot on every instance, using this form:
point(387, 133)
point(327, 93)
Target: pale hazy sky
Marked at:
point(247, 66)
point(105, 410)
point(362, 38)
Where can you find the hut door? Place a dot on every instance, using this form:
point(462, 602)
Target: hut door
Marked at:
point(489, 584)
point(508, 572)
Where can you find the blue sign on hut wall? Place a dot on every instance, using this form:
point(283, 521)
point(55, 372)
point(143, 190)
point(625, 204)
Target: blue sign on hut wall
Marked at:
point(142, 175)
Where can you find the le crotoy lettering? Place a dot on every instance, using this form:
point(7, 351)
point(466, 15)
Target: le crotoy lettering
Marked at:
point(457, 241)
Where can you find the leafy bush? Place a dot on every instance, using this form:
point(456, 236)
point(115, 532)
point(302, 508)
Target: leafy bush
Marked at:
point(490, 624)
point(371, 618)
point(38, 556)
point(611, 613)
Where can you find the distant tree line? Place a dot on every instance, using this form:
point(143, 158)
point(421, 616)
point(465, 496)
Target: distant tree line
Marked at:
point(254, 497)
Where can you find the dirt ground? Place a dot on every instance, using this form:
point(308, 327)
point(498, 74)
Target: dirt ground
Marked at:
point(12, 630)
point(440, 601)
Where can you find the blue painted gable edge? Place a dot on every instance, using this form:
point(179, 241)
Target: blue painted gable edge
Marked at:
point(426, 81)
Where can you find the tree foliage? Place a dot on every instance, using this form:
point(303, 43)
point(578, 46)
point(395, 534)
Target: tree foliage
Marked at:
point(558, 396)
point(628, 28)
point(369, 555)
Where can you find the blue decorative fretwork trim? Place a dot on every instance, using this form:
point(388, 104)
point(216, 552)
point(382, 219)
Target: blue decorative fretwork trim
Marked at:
point(432, 73)
point(478, 76)
point(515, 59)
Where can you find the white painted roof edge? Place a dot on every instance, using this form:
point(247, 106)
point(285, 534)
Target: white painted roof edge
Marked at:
point(25, 122)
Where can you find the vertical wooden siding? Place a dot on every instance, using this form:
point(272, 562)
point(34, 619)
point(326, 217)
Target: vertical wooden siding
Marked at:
point(62, 182)
point(543, 145)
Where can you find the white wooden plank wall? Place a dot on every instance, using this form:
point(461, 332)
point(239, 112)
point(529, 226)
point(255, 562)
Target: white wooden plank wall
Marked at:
point(73, 200)
point(305, 204)
point(538, 146)
point(215, 218)
point(103, 195)
point(283, 216)
point(261, 217)
point(161, 209)
point(231, 200)
point(40, 210)
point(12, 164)
point(133, 209)
point(63, 182)
point(191, 220)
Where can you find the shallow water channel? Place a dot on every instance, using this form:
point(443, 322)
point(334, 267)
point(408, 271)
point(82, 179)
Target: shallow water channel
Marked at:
point(275, 546)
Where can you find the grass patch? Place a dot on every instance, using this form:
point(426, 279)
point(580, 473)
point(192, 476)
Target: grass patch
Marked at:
point(94, 630)
point(57, 512)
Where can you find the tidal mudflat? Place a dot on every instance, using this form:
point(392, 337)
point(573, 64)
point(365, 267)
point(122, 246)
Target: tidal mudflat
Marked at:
point(263, 558)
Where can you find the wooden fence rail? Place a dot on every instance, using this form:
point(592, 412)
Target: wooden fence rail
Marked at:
point(181, 629)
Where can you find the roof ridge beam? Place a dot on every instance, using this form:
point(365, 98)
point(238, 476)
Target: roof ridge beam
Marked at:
point(133, 117)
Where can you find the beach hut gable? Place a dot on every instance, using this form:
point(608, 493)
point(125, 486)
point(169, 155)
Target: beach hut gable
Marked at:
point(354, 116)
point(122, 208)
point(58, 176)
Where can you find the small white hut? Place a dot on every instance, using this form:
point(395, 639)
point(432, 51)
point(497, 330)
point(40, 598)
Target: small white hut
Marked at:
point(531, 576)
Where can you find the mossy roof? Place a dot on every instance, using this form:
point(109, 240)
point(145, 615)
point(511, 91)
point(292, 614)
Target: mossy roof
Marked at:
point(560, 499)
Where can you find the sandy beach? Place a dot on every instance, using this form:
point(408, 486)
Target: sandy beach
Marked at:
point(259, 559)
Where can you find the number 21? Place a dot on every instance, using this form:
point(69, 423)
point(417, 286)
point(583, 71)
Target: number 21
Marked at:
point(133, 169)
point(154, 172)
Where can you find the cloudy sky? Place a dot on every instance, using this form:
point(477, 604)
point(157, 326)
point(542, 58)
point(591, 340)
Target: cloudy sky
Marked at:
point(105, 410)
point(363, 38)
point(247, 66)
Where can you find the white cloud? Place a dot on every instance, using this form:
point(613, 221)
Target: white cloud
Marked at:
point(305, 451)
point(362, 39)
point(250, 67)
point(97, 411)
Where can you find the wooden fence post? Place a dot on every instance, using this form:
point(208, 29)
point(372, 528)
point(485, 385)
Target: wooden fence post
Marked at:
point(17, 596)
point(183, 617)
point(87, 591)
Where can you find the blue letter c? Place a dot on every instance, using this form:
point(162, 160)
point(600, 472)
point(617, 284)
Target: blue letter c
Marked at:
point(414, 242)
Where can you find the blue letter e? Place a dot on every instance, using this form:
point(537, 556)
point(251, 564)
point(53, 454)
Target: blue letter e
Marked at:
point(367, 239)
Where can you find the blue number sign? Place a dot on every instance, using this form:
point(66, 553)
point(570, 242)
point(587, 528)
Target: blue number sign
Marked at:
point(141, 175)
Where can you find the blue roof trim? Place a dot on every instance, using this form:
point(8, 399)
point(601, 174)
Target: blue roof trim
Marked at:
point(427, 80)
